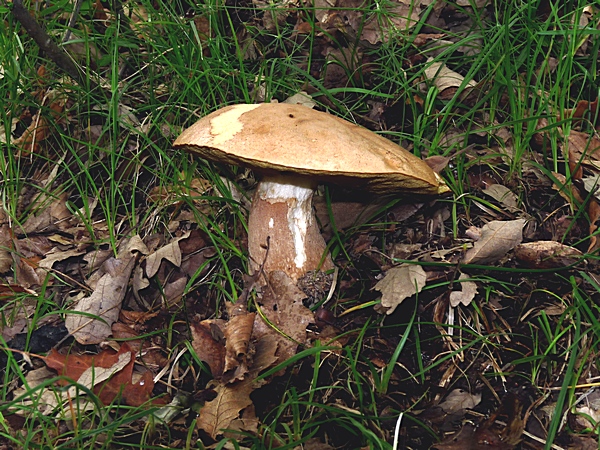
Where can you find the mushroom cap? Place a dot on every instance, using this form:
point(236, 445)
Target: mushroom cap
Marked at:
point(275, 138)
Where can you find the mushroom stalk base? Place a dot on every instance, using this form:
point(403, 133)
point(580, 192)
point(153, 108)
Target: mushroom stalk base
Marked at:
point(282, 220)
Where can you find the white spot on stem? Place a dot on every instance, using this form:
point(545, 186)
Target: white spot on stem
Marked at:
point(298, 196)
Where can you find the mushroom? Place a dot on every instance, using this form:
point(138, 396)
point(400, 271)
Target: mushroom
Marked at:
point(294, 148)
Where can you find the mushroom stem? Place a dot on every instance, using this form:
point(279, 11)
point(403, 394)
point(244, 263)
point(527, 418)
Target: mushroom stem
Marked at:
point(282, 219)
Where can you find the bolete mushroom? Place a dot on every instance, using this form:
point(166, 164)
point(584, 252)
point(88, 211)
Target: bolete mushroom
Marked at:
point(294, 148)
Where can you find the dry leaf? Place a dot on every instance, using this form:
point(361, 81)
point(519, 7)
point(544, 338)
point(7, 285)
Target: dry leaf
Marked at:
point(593, 210)
point(497, 239)
point(42, 400)
point(216, 415)
point(39, 129)
point(105, 302)
point(6, 246)
point(547, 254)
point(52, 214)
point(567, 190)
point(25, 271)
point(237, 338)
point(174, 291)
point(582, 150)
point(109, 374)
point(443, 78)
point(171, 252)
point(504, 195)
point(591, 185)
point(583, 442)
point(301, 98)
point(471, 3)
point(459, 399)
point(587, 414)
point(208, 343)
point(400, 283)
point(584, 108)
point(55, 255)
point(464, 296)
point(345, 214)
point(437, 162)
point(397, 16)
point(252, 353)
point(491, 434)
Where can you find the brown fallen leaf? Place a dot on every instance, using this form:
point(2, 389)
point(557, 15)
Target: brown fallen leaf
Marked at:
point(459, 399)
point(9, 291)
point(108, 373)
point(52, 213)
point(586, 415)
point(444, 78)
point(437, 162)
point(400, 283)
point(170, 252)
point(39, 129)
point(490, 435)
point(593, 210)
point(56, 255)
point(467, 293)
point(497, 239)
point(503, 195)
point(547, 254)
point(27, 273)
point(237, 339)
point(232, 408)
point(582, 150)
point(6, 247)
point(583, 442)
point(345, 214)
point(208, 342)
point(398, 16)
point(104, 304)
point(582, 109)
point(246, 345)
point(216, 415)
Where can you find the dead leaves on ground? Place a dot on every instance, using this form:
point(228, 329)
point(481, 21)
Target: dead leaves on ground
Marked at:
point(240, 349)
point(104, 305)
point(50, 248)
point(109, 374)
point(399, 283)
point(494, 240)
point(503, 430)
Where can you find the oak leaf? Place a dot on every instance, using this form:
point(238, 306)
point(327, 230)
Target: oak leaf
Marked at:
point(400, 283)
point(467, 293)
point(497, 239)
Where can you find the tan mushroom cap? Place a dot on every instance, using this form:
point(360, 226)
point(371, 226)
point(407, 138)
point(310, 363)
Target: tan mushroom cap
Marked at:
point(281, 137)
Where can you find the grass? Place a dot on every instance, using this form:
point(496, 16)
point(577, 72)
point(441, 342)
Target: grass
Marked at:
point(161, 66)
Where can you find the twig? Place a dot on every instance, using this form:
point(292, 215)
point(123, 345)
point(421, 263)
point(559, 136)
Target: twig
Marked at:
point(44, 41)
point(72, 20)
